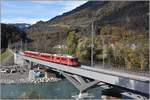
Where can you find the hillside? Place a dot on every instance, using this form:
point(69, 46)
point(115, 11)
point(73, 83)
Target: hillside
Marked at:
point(10, 33)
point(7, 57)
point(132, 15)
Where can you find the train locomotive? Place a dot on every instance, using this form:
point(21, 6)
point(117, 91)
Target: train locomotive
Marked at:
point(56, 58)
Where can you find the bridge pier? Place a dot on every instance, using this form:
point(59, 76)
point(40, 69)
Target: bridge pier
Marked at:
point(28, 63)
point(81, 84)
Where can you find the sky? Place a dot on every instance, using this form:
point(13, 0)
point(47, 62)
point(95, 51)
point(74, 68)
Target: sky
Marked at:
point(28, 11)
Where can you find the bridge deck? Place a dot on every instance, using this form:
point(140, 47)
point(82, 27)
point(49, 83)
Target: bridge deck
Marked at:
point(137, 83)
point(116, 73)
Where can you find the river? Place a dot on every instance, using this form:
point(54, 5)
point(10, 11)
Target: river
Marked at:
point(55, 90)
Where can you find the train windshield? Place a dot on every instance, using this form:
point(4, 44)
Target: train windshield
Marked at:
point(75, 59)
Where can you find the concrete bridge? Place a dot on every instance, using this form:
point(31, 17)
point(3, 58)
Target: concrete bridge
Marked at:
point(79, 76)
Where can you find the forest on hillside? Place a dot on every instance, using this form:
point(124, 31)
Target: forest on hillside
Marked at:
point(9, 34)
point(114, 45)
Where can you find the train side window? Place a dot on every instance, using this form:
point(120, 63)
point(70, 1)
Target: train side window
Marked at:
point(71, 60)
point(57, 58)
point(65, 59)
point(45, 56)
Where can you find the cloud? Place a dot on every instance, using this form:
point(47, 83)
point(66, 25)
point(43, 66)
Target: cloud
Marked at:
point(61, 2)
point(33, 11)
point(43, 2)
point(67, 5)
point(23, 20)
point(70, 5)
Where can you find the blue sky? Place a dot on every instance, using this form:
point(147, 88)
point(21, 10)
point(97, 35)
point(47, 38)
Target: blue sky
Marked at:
point(28, 11)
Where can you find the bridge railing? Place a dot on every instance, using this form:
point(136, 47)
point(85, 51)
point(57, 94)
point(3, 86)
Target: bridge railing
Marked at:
point(117, 67)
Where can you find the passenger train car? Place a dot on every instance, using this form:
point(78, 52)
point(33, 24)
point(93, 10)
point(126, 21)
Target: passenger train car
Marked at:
point(57, 58)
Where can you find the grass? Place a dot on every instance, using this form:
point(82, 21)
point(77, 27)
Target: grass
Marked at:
point(5, 54)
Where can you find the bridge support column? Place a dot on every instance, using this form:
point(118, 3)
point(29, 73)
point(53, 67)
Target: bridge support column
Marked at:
point(30, 64)
point(81, 84)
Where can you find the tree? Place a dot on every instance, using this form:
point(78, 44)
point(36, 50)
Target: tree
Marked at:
point(142, 51)
point(83, 49)
point(72, 42)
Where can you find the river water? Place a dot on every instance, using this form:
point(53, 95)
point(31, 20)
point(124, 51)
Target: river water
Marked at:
point(55, 90)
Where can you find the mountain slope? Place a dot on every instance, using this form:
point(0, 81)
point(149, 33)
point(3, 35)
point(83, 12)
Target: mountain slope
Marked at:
point(10, 33)
point(133, 15)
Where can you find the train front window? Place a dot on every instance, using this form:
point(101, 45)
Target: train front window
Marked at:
point(74, 60)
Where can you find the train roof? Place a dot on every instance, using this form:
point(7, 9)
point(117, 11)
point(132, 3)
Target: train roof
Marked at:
point(33, 52)
point(46, 53)
point(65, 55)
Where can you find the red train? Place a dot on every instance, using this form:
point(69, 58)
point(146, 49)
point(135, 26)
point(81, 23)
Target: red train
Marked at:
point(57, 58)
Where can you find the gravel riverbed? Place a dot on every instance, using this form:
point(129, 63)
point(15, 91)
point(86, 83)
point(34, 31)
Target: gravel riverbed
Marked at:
point(14, 74)
point(20, 74)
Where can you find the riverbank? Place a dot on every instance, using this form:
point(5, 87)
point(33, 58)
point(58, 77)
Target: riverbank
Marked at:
point(20, 74)
point(14, 74)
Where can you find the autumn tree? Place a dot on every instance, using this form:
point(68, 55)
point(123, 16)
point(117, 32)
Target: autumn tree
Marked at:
point(83, 49)
point(72, 42)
